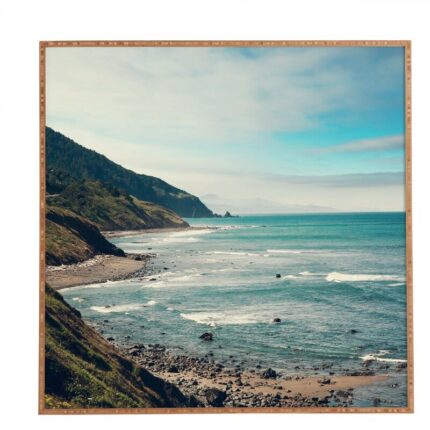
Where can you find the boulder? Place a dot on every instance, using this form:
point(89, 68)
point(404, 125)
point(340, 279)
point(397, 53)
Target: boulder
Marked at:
point(324, 381)
point(206, 336)
point(215, 397)
point(278, 275)
point(136, 350)
point(269, 374)
point(277, 320)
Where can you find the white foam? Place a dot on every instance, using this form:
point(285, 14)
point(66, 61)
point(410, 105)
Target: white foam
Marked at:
point(302, 274)
point(380, 356)
point(151, 303)
point(187, 236)
point(78, 299)
point(220, 318)
point(283, 251)
point(240, 253)
point(119, 308)
point(180, 239)
point(154, 284)
point(297, 251)
point(249, 314)
point(107, 284)
point(185, 278)
point(359, 277)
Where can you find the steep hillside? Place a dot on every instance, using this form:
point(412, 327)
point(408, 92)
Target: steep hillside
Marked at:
point(111, 209)
point(82, 370)
point(63, 154)
point(70, 238)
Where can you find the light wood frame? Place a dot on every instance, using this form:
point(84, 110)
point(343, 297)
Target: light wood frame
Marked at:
point(406, 45)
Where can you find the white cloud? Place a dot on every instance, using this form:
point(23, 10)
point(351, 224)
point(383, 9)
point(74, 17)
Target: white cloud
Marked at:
point(138, 106)
point(377, 144)
point(159, 95)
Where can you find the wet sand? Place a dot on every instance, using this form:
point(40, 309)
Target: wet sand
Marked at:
point(101, 268)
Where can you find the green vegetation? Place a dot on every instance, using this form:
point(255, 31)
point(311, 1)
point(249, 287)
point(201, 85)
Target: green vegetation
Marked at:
point(112, 209)
point(82, 370)
point(70, 238)
point(71, 159)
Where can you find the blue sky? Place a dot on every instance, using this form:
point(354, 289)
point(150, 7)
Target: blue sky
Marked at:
point(294, 126)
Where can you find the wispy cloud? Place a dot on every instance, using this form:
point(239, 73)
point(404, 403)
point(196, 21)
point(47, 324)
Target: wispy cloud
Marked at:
point(241, 122)
point(354, 180)
point(377, 144)
point(213, 95)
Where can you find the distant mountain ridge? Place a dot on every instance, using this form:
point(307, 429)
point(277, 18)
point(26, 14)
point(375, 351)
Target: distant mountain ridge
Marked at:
point(65, 155)
point(259, 206)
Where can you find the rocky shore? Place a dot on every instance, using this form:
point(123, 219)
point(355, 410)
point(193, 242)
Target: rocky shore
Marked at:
point(214, 384)
point(220, 384)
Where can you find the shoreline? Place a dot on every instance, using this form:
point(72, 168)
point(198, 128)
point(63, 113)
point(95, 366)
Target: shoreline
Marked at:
point(100, 269)
point(125, 233)
point(215, 384)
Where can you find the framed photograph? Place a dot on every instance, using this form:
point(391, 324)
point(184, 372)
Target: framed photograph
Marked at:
point(225, 227)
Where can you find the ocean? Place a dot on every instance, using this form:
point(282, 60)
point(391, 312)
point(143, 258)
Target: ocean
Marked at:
point(336, 282)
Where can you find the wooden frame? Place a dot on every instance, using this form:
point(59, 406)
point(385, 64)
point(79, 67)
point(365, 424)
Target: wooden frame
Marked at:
point(408, 207)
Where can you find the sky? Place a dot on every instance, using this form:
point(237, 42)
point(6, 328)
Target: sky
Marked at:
point(320, 126)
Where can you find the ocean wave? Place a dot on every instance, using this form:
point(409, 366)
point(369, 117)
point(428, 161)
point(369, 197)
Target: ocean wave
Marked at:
point(240, 253)
point(306, 273)
point(162, 280)
point(248, 314)
point(184, 277)
point(77, 299)
point(192, 232)
point(173, 239)
point(360, 277)
point(380, 356)
point(107, 284)
point(214, 319)
point(122, 308)
point(297, 251)
point(303, 274)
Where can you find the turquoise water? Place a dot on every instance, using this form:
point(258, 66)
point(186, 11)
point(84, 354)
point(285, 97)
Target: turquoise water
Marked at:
point(339, 272)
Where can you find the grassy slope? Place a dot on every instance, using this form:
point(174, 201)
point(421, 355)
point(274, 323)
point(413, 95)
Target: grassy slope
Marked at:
point(71, 238)
point(111, 209)
point(73, 159)
point(82, 370)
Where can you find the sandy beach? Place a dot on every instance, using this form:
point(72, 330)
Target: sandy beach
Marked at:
point(101, 268)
